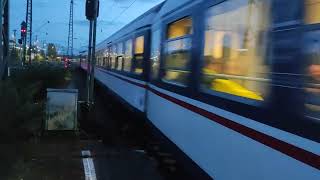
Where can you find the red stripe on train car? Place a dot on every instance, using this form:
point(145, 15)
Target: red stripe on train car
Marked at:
point(295, 152)
point(284, 147)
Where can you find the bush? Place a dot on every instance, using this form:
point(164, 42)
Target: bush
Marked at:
point(22, 98)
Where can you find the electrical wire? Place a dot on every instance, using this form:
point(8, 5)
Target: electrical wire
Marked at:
point(122, 12)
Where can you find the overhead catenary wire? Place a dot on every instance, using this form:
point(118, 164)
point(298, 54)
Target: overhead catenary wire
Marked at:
point(114, 3)
point(122, 12)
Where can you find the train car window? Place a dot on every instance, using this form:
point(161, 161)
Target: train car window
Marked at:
point(120, 56)
point(139, 64)
point(120, 63)
point(107, 55)
point(312, 11)
point(155, 54)
point(97, 61)
point(139, 45)
point(114, 64)
point(235, 49)
point(138, 55)
point(100, 62)
point(177, 52)
point(105, 58)
point(110, 58)
point(180, 28)
point(312, 74)
point(128, 56)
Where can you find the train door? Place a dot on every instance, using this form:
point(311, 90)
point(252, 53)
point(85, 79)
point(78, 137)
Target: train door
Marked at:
point(286, 60)
point(296, 66)
point(311, 68)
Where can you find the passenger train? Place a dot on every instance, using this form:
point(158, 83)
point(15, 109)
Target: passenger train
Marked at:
point(234, 85)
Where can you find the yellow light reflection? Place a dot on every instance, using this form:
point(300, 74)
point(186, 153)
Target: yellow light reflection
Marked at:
point(139, 49)
point(312, 11)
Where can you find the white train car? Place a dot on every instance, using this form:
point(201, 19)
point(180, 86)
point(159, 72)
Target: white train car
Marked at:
point(223, 81)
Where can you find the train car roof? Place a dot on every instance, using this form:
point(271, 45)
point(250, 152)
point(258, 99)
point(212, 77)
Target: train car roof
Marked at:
point(140, 22)
point(171, 5)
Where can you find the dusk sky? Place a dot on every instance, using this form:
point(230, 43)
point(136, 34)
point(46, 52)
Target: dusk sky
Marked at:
point(114, 14)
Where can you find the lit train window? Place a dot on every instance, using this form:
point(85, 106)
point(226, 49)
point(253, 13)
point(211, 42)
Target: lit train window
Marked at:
point(312, 11)
point(138, 53)
point(139, 45)
point(235, 48)
point(119, 56)
point(155, 53)
point(180, 28)
point(128, 56)
point(177, 52)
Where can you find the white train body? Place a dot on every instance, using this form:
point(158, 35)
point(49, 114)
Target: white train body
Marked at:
point(223, 143)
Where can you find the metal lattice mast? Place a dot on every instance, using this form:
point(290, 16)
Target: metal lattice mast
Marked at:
point(70, 34)
point(28, 38)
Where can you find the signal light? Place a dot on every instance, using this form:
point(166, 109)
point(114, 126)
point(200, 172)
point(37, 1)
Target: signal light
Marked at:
point(91, 10)
point(23, 29)
point(23, 33)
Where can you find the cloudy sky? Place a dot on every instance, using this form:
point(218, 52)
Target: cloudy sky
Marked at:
point(114, 14)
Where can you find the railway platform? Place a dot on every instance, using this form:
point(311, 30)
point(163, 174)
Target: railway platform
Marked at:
point(69, 157)
point(48, 158)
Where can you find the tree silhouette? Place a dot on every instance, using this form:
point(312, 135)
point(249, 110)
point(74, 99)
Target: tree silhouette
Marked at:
point(52, 51)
